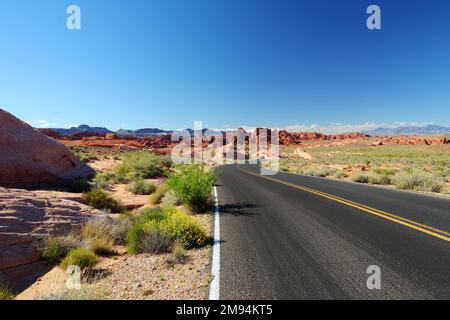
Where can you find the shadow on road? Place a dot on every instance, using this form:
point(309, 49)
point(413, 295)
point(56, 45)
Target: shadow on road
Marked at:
point(238, 209)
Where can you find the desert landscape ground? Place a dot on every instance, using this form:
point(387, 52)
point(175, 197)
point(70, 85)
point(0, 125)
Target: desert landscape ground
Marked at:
point(140, 227)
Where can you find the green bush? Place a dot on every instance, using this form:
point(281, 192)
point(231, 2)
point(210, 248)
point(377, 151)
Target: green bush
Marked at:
point(193, 185)
point(375, 178)
point(81, 257)
point(156, 214)
point(5, 292)
point(56, 248)
point(156, 230)
point(170, 199)
point(340, 174)
point(324, 172)
point(102, 180)
point(146, 237)
point(141, 187)
point(99, 199)
point(80, 185)
point(184, 228)
point(415, 180)
point(141, 165)
point(159, 193)
point(360, 177)
point(384, 171)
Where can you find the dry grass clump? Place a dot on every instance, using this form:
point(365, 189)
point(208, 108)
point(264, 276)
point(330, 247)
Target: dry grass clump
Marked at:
point(101, 233)
point(99, 199)
point(419, 181)
point(159, 193)
point(54, 249)
point(156, 230)
point(141, 187)
point(81, 257)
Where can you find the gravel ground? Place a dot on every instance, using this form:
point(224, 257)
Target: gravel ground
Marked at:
point(151, 276)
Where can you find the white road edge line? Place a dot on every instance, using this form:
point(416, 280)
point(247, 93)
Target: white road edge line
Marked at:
point(214, 289)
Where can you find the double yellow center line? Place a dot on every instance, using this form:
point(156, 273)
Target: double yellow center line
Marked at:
point(382, 214)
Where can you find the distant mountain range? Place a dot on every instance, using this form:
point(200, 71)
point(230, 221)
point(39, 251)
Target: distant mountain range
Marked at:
point(142, 132)
point(81, 128)
point(145, 132)
point(409, 130)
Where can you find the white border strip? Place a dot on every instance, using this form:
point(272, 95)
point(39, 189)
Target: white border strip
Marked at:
point(214, 289)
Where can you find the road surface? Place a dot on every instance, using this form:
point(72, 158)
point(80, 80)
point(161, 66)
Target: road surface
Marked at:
point(296, 237)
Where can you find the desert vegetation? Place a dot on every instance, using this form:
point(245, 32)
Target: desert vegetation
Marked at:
point(193, 185)
point(141, 187)
point(5, 292)
point(157, 230)
point(173, 223)
point(409, 167)
point(99, 199)
point(81, 257)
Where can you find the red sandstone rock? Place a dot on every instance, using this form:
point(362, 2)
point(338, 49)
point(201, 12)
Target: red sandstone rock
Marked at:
point(29, 158)
point(28, 216)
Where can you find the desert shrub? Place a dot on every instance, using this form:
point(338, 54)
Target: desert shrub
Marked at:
point(378, 178)
point(159, 193)
point(415, 180)
point(157, 214)
point(5, 292)
point(360, 177)
point(170, 199)
point(99, 199)
point(340, 174)
point(80, 185)
point(156, 230)
point(81, 257)
point(385, 171)
point(102, 180)
point(141, 187)
point(101, 246)
point(193, 185)
point(141, 165)
point(183, 228)
point(430, 183)
point(54, 249)
point(324, 172)
point(179, 252)
point(146, 237)
point(107, 229)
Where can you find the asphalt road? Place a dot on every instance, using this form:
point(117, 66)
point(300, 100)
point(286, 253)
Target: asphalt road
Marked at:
point(295, 237)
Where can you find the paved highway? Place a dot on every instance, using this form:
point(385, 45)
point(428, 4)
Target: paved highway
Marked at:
point(296, 237)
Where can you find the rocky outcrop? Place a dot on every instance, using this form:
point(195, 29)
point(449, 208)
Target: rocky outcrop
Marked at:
point(413, 140)
point(26, 217)
point(317, 136)
point(31, 159)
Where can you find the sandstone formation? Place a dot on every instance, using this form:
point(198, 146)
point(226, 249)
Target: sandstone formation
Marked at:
point(26, 217)
point(413, 140)
point(31, 159)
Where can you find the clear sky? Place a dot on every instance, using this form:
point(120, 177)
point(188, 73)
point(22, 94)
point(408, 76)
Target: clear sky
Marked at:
point(277, 63)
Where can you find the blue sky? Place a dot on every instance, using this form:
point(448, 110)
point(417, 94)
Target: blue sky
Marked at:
point(279, 63)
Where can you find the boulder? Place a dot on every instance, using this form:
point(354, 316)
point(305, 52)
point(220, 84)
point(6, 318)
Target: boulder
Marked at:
point(28, 216)
point(31, 159)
